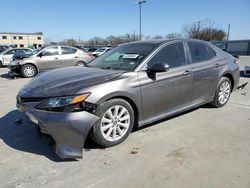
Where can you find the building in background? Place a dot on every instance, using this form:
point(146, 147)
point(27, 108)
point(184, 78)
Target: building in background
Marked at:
point(34, 40)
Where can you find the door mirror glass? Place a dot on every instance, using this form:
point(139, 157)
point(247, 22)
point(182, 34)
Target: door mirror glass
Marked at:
point(158, 67)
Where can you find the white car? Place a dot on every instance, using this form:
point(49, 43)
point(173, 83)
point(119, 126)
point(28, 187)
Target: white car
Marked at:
point(6, 55)
point(101, 51)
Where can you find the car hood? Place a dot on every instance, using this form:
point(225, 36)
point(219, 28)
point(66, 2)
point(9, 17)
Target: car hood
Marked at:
point(20, 56)
point(66, 81)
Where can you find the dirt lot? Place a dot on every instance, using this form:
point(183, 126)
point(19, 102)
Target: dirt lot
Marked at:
point(205, 147)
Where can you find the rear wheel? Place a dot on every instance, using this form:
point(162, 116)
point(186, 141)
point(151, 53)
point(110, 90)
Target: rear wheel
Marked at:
point(1, 64)
point(222, 93)
point(115, 123)
point(29, 71)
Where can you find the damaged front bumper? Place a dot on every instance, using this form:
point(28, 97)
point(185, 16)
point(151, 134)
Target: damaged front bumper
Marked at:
point(68, 129)
point(15, 70)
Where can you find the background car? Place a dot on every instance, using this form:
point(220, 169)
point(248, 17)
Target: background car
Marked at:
point(48, 58)
point(6, 55)
point(101, 51)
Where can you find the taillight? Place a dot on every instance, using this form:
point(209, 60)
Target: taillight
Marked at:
point(237, 61)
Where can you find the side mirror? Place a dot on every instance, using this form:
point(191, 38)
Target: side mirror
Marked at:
point(40, 55)
point(158, 67)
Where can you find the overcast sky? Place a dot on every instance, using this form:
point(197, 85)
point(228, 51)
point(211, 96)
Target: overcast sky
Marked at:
point(61, 19)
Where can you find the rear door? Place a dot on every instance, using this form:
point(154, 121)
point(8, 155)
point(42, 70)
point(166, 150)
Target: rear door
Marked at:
point(205, 70)
point(68, 56)
point(7, 57)
point(49, 58)
point(169, 91)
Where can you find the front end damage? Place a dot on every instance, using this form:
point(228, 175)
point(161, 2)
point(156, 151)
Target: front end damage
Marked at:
point(69, 130)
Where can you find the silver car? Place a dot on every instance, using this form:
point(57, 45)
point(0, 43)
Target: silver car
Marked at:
point(132, 85)
point(48, 58)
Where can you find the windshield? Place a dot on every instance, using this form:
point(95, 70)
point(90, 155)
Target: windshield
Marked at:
point(124, 57)
point(35, 51)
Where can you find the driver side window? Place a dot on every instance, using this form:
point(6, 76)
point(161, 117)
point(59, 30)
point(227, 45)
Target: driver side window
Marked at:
point(172, 54)
point(50, 51)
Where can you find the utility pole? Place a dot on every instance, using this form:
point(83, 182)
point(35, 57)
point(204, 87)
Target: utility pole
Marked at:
point(228, 31)
point(140, 2)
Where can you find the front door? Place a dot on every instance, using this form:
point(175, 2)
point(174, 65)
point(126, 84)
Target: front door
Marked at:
point(48, 59)
point(169, 91)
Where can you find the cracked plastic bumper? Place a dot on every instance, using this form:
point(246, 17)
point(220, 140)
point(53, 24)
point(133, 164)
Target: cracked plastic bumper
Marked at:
point(68, 129)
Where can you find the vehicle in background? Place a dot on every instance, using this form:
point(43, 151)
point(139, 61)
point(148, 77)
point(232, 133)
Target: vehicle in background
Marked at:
point(101, 51)
point(234, 47)
point(132, 85)
point(47, 58)
point(89, 49)
point(7, 55)
point(3, 47)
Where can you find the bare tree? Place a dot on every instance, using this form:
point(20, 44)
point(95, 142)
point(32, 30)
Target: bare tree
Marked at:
point(173, 36)
point(157, 37)
point(204, 30)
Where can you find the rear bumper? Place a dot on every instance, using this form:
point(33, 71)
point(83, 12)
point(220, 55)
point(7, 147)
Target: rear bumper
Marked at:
point(68, 129)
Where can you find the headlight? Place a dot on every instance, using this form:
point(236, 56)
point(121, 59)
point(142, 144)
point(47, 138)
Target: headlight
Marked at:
point(62, 103)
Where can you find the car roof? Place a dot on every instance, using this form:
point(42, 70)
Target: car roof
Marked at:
point(162, 41)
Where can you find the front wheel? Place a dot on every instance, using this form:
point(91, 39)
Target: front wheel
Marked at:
point(29, 71)
point(115, 123)
point(222, 93)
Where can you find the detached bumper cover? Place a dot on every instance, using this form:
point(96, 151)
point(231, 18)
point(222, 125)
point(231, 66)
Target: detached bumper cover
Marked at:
point(68, 129)
point(15, 70)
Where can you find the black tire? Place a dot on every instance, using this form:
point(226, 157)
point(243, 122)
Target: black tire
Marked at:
point(29, 71)
point(216, 102)
point(1, 64)
point(96, 133)
point(81, 63)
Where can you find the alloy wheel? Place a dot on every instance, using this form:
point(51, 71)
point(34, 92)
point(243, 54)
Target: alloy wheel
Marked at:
point(29, 71)
point(115, 123)
point(224, 92)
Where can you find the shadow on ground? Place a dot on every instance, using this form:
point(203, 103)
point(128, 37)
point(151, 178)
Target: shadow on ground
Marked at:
point(6, 76)
point(24, 136)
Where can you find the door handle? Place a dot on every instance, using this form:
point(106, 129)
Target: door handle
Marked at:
point(186, 72)
point(76, 56)
point(216, 65)
point(56, 57)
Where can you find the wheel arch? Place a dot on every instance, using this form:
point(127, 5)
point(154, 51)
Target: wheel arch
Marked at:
point(37, 70)
point(230, 77)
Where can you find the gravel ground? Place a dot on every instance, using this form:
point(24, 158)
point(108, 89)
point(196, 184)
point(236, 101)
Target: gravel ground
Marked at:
point(205, 147)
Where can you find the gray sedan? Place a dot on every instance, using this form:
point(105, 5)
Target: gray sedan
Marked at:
point(130, 86)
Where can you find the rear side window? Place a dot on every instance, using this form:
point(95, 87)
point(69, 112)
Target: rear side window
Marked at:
point(66, 50)
point(200, 52)
point(173, 55)
point(50, 51)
